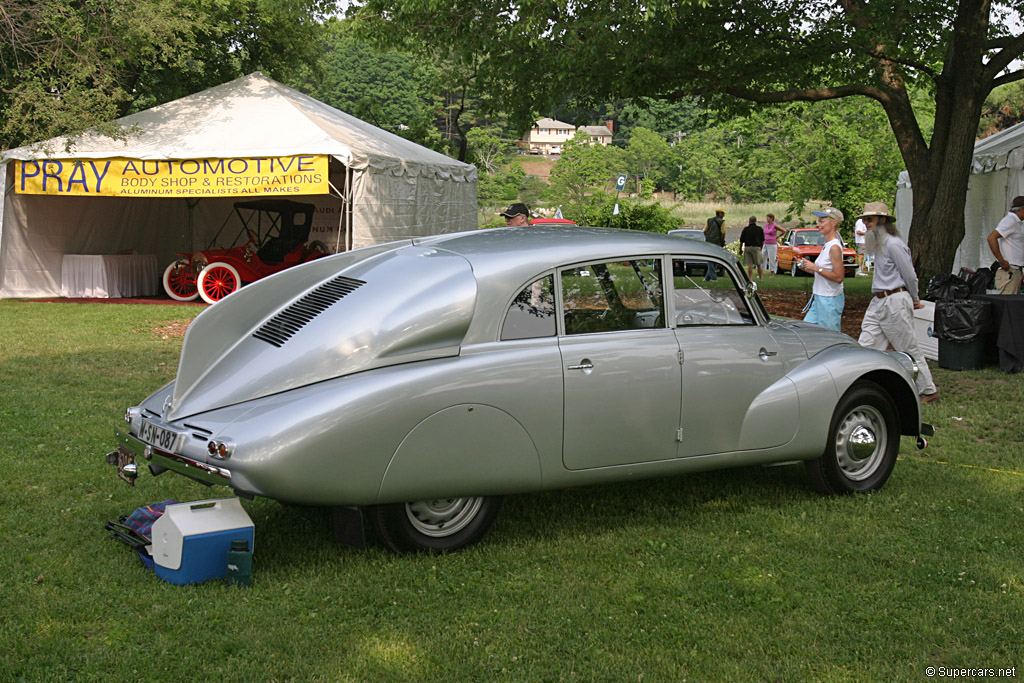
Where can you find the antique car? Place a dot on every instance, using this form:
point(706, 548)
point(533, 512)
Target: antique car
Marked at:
point(807, 243)
point(411, 385)
point(276, 231)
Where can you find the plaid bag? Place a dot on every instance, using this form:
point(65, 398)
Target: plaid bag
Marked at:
point(136, 529)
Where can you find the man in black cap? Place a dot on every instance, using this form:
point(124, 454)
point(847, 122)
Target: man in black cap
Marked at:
point(516, 214)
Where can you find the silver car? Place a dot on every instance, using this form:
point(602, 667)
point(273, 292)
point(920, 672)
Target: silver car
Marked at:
point(411, 385)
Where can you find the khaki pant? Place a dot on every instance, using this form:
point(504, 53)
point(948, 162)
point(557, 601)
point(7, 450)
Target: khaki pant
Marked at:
point(1008, 282)
point(890, 320)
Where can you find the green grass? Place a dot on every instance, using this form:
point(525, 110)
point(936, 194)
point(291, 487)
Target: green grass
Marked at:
point(734, 575)
point(696, 214)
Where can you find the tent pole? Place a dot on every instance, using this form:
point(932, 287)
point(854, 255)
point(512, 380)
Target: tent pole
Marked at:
point(191, 204)
point(342, 214)
point(347, 209)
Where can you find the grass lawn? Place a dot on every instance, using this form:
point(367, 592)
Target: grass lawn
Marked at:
point(735, 575)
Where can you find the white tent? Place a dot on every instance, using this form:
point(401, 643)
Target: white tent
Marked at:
point(997, 176)
point(381, 186)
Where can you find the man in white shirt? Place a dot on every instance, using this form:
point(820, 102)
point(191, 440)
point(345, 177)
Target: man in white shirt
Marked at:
point(1010, 252)
point(859, 231)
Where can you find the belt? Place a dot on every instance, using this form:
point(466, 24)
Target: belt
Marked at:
point(890, 292)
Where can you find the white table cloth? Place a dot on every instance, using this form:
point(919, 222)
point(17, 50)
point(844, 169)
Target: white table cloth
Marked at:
point(113, 276)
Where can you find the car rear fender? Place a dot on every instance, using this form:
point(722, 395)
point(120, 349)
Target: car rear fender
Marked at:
point(467, 449)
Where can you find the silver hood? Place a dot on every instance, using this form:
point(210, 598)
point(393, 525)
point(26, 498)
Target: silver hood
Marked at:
point(331, 317)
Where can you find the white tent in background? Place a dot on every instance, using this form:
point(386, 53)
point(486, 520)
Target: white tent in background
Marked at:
point(379, 186)
point(997, 176)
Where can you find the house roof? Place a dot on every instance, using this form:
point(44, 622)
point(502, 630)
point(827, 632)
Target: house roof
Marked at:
point(596, 130)
point(552, 123)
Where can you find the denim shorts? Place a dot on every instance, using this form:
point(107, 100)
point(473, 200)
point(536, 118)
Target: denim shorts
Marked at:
point(826, 311)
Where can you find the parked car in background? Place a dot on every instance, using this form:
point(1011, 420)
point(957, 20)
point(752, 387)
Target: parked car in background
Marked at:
point(691, 234)
point(807, 243)
point(276, 231)
point(412, 385)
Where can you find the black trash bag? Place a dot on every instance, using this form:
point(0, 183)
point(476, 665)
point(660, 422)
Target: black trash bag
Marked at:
point(980, 280)
point(962, 320)
point(946, 288)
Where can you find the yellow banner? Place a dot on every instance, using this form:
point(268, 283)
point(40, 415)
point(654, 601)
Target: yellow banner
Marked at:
point(304, 174)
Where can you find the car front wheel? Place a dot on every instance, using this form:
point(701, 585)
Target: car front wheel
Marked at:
point(439, 525)
point(863, 442)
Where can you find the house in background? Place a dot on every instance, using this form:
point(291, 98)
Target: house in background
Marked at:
point(548, 136)
point(601, 135)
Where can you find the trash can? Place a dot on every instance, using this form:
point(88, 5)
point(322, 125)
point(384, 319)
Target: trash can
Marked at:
point(962, 327)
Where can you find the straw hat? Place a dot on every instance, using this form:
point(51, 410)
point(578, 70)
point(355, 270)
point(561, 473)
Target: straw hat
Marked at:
point(877, 209)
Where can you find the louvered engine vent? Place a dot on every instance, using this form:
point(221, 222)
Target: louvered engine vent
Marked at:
point(282, 326)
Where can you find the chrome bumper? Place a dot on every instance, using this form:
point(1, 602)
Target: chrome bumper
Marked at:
point(129, 448)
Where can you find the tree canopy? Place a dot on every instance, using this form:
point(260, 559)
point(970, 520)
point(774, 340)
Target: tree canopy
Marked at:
point(532, 55)
point(67, 65)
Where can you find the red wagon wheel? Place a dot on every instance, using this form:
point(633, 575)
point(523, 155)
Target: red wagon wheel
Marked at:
point(180, 282)
point(217, 280)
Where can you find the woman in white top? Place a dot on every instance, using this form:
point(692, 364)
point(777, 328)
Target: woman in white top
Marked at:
point(828, 298)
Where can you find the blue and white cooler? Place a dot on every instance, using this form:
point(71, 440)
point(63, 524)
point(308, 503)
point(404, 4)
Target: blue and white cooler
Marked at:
point(191, 540)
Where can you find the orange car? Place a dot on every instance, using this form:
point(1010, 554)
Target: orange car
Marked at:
point(806, 243)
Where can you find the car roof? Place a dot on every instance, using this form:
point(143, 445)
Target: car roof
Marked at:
point(536, 248)
point(504, 260)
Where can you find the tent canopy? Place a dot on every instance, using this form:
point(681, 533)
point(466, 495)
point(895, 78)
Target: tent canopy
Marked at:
point(997, 176)
point(385, 187)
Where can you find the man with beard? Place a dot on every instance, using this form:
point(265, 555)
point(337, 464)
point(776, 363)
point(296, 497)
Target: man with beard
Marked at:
point(890, 315)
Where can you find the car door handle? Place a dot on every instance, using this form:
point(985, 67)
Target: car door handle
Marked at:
point(583, 365)
point(765, 354)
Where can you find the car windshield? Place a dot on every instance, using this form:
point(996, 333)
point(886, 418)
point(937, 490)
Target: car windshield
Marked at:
point(809, 238)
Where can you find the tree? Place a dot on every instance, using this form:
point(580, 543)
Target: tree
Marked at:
point(581, 168)
point(756, 51)
point(393, 90)
point(647, 156)
point(67, 65)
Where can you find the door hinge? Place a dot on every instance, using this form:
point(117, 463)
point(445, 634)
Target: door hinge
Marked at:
point(679, 435)
point(682, 357)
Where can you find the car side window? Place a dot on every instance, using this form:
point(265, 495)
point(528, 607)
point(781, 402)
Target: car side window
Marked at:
point(532, 312)
point(612, 296)
point(699, 302)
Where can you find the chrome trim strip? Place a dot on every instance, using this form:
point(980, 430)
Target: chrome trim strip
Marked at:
point(207, 474)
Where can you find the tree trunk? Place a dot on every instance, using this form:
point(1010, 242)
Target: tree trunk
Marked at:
point(939, 177)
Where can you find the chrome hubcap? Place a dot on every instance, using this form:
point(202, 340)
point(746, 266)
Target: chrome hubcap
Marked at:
point(442, 516)
point(860, 442)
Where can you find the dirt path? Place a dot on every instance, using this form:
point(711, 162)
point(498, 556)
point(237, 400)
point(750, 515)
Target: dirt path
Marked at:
point(790, 304)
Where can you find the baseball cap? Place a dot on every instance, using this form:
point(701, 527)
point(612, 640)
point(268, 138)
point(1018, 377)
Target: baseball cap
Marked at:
point(515, 210)
point(830, 212)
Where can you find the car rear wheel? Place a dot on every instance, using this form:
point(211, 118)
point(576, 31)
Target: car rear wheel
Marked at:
point(863, 442)
point(217, 280)
point(180, 282)
point(439, 525)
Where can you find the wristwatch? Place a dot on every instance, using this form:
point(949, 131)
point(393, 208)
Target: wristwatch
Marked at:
point(819, 269)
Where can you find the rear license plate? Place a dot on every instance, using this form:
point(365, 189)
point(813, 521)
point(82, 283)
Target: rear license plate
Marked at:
point(155, 435)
